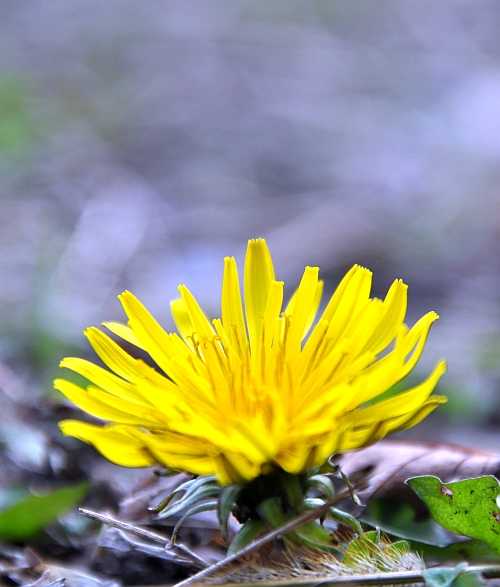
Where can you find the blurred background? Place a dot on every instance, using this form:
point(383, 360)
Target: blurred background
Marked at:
point(140, 142)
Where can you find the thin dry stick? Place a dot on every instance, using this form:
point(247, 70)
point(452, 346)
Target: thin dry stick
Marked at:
point(269, 537)
point(397, 578)
point(153, 536)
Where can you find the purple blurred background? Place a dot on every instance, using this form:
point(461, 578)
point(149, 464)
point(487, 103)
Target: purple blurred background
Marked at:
point(140, 142)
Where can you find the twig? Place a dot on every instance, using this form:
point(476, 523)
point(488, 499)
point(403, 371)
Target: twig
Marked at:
point(269, 537)
point(398, 578)
point(144, 533)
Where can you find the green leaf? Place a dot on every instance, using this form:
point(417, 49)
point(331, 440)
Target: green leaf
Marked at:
point(400, 519)
point(475, 550)
point(469, 580)
point(227, 499)
point(451, 577)
point(427, 537)
point(467, 507)
point(248, 532)
point(31, 514)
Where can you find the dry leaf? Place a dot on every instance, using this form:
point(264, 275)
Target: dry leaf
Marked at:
point(387, 464)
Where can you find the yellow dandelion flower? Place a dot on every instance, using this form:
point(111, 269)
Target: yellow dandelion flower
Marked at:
point(261, 388)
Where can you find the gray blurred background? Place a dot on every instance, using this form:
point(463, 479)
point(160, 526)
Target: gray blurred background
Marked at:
point(140, 142)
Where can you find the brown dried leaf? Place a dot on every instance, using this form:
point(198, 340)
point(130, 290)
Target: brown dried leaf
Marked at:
point(384, 466)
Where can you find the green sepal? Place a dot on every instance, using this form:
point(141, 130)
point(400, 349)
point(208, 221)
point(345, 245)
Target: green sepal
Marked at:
point(247, 533)
point(311, 503)
point(346, 519)
point(311, 534)
point(185, 487)
point(294, 493)
point(205, 506)
point(190, 498)
point(314, 536)
point(322, 484)
point(271, 511)
point(227, 500)
point(193, 484)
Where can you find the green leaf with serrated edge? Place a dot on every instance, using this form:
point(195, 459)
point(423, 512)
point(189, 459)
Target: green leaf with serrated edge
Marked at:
point(322, 484)
point(467, 507)
point(29, 515)
point(197, 509)
point(192, 499)
point(443, 576)
point(227, 499)
point(247, 533)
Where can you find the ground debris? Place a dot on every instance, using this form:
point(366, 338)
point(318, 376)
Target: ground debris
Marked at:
point(25, 567)
point(386, 465)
